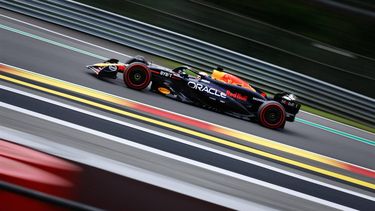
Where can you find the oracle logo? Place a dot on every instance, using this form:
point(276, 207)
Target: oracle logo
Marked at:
point(204, 88)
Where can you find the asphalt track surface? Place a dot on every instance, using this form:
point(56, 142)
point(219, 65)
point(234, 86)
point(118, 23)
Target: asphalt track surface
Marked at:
point(60, 59)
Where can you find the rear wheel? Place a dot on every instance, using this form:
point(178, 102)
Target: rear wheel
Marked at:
point(271, 114)
point(137, 76)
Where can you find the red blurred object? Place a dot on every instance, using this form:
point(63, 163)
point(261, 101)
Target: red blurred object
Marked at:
point(37, 171)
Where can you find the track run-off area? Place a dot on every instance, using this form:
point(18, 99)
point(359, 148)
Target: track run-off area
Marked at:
point(322, 163)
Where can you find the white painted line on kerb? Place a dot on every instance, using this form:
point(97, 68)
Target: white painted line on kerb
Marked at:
point(180, 140)
point(176, 157)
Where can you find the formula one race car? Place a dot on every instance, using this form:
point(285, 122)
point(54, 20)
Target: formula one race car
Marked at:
point(218, 91)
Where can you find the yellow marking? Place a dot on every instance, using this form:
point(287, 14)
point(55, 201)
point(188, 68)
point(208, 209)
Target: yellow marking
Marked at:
point(196, 133)
point(237, 134)
point(103, 96)
point(219, 129)
point(164, 90)
point(230, 132)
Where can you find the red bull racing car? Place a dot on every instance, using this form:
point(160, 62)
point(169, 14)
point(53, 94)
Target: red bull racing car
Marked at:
point(218, 91)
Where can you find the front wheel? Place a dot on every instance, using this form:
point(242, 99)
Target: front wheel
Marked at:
point(137, 76)
point(271, 114)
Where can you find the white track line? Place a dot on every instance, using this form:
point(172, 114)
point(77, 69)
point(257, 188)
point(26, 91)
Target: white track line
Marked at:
point(339, 123)
point(210, 123)
point(176, 157)
point(180, 140)
point(131, 171)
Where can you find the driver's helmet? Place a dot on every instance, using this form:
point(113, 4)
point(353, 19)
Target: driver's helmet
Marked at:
point(217, 75)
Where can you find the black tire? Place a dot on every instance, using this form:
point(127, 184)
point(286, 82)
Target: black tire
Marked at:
point(137, 76)
point(271, 114)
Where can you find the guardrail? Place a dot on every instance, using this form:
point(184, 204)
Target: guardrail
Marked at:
point(198, 54)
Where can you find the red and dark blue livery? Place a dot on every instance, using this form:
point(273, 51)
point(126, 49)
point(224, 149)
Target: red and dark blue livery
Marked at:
point(218, 91)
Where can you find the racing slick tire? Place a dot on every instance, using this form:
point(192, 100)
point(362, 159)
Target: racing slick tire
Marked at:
point(271, 114)
point(137, 76)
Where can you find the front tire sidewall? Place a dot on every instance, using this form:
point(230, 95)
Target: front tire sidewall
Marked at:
point(270, 106)
point(142, 71)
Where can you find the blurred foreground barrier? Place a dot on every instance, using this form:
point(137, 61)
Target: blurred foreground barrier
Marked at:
point(198, 54)
point(15, 197)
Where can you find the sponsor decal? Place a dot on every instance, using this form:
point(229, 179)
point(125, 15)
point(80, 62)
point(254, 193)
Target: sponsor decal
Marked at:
point(204, 88)
point(166, 74)
point(112, 68)
point(236, 95)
